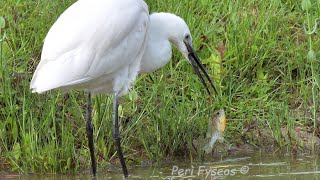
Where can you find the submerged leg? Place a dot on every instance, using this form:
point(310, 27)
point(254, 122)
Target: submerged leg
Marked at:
point(116, 136)
point(90, 136)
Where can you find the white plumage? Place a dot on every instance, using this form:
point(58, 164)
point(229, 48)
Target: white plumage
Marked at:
point(101, 45)
point(95, 45)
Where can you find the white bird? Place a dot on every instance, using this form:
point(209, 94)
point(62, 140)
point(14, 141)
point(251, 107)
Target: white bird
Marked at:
point(101, 45)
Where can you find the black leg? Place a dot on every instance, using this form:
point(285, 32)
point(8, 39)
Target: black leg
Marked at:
point(117, 137)
point(90, 136)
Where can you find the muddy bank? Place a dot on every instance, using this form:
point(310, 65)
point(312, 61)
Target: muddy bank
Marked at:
point(252, 139)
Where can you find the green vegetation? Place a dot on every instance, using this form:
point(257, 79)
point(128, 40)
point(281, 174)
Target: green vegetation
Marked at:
point(269, 76)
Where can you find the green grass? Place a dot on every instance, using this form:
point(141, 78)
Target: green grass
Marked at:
point(270, 74)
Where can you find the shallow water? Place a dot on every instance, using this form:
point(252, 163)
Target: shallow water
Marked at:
point(254, 166)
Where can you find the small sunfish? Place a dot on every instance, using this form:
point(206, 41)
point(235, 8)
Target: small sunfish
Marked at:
point(216, 127)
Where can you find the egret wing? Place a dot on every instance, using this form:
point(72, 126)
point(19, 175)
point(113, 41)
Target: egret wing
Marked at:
point(90, 39)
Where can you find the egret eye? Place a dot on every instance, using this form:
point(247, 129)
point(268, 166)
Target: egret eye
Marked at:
point(187, 36)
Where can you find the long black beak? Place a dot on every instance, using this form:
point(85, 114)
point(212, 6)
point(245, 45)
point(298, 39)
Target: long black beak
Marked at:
point(196, 64)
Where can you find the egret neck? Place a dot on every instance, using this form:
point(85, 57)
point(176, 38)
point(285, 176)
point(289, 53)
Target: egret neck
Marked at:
point(165, 28)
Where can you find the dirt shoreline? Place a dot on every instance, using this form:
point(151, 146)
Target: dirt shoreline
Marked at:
point(297, 141)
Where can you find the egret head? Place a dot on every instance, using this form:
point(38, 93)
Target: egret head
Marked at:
point(181, 38)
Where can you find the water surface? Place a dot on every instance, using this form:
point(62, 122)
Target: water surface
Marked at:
point(254, 166)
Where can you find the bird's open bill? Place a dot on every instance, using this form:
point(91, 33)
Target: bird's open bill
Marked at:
point(196, 64)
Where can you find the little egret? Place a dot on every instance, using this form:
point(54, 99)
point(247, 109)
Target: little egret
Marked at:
point(101, 45)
